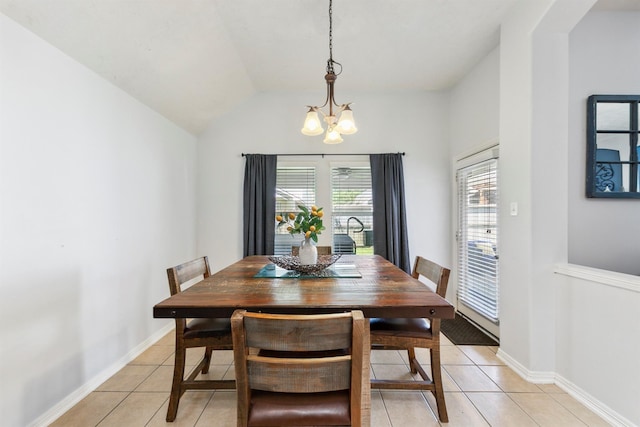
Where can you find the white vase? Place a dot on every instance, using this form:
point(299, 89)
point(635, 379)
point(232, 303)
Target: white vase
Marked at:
point(308, 252)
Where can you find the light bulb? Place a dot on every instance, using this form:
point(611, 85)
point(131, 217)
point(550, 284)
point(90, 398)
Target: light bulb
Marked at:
point(332, 136)
point(346, 125)
point(312, 125)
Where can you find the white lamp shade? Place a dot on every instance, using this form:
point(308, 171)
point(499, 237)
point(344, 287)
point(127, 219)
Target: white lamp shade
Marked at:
point(312, 124)
point(346, 125)
point(332, 136)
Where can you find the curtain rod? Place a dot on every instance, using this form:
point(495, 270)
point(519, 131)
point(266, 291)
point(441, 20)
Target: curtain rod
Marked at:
point(325, 154)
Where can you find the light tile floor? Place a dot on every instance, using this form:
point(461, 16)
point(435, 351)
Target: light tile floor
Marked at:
point(480, 391)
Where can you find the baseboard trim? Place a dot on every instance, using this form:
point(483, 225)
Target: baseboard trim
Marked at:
point(604, 411)
point(541, 377)
point(536, 377)
point(84, 390)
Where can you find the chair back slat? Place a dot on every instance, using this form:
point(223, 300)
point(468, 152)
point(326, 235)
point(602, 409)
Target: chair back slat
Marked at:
point(190, 270)
point(438, 275)
point(277, 333)
point(299, 375)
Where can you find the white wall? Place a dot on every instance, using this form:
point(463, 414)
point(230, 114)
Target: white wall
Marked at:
point(598, 340)
point(497, 98)
point(515, 180)
point(98, 199)
point(474, 118)
point(415, 123)
point(603, 233)
point(474, 115)
point(533, 158)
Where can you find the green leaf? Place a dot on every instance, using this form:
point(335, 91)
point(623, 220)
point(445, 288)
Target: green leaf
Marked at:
point(314, 237)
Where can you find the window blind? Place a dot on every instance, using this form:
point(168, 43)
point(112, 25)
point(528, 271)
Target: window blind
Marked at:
point(478, 238)
point(295, 185)
point(351, 208)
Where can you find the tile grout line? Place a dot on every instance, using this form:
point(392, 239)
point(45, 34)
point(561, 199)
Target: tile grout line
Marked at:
point(114, 408)
point(476, 407)
point(130, 393)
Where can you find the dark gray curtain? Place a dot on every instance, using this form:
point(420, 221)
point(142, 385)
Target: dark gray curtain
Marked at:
point(390, 238)
point(259, 204)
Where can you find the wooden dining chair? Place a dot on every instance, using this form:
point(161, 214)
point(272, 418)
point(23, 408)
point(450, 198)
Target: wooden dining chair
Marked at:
point(212, 334)
point(407, 334)
point(322, 250)
point(302, 370)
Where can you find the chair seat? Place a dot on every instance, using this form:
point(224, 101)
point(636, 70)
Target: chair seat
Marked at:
point(205, 328)
point(410, 327)
point(298, 409)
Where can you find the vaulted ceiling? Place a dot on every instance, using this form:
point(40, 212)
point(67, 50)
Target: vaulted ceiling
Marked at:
point(192, 60)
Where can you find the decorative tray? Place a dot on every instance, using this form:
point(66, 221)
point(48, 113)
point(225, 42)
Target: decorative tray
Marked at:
point(292, 262)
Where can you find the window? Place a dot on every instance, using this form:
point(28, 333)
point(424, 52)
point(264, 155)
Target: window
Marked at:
point(295, 185)
point(343, 190)
point(613, 150)
point(352, 210)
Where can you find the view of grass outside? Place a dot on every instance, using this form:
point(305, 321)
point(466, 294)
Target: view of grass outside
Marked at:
point(364, 250)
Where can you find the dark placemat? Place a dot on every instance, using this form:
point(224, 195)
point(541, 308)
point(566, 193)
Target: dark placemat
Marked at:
point(462, 332)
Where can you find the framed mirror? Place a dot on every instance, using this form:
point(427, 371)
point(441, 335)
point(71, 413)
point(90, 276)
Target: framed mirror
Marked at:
point(613, 150)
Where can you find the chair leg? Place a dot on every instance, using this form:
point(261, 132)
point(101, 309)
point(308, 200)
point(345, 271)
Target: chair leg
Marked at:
point(176, 387)
point(207, 359)
point(436, 376)
point(412, 359)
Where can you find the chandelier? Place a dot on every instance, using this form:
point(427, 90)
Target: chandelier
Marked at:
point(335, 127)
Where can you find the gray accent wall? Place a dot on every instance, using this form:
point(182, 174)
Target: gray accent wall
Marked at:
point(604, 59)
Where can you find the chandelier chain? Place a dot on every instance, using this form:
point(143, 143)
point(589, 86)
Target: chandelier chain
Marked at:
point(330, 61)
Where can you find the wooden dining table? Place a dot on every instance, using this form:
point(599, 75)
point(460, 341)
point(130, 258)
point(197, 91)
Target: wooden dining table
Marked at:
point(361, 282)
